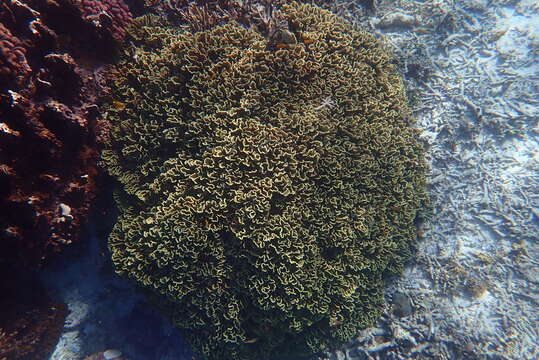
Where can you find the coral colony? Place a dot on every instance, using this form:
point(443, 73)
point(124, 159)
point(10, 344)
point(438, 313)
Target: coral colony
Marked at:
point(267, 180)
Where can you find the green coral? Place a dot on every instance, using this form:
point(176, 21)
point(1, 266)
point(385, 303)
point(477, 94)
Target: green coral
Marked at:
point(265, 190)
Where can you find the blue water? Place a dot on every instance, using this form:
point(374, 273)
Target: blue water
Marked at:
point(106, 311)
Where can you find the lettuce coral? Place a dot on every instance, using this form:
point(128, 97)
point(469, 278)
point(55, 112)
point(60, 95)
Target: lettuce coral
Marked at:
point(265, 189)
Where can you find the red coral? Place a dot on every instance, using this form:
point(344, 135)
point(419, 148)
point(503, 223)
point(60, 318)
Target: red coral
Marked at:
point(13, 64)
point(48, 153)
point(30, 322)
point(49, 123)
point(42, 142)
point(53, 62)
point(106, 14)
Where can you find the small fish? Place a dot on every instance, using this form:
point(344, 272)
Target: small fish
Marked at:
point(250, 341)
point(118, 105)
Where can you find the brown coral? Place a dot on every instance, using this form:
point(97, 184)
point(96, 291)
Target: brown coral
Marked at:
point(266, 187)
point(199, 15)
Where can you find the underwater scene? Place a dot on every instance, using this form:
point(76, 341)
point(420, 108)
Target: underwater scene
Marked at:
point(269, 179)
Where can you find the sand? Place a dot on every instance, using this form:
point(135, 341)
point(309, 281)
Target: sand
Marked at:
point(472, 73)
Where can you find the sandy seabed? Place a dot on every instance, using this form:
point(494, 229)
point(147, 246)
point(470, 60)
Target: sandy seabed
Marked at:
point(471, 69)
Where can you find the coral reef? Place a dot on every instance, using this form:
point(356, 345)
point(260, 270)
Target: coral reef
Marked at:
point(30, 322)
point(110, 17)
point(51, 68)
point(198, 15)
point(267, 185)
point(48, 123)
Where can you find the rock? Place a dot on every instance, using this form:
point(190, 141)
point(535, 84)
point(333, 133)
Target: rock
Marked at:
point(477, 5)
point(112, 354)
point(396, 20)
point(340, 355)
point(402, 305)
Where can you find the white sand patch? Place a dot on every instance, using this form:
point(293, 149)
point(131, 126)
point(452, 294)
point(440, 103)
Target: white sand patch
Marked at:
point(472, 72)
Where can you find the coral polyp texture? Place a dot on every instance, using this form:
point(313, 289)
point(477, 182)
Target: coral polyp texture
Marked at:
point(52, 61)
point(265, 188)
point(49, 122)
point(110, 17)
